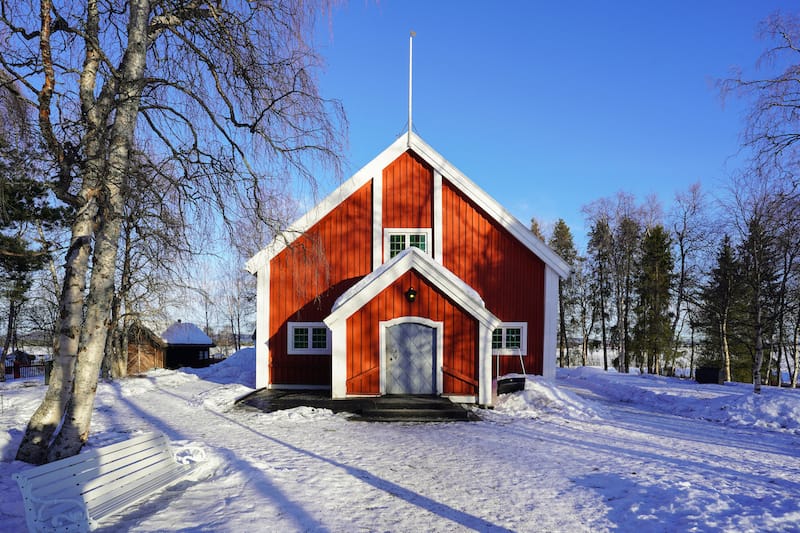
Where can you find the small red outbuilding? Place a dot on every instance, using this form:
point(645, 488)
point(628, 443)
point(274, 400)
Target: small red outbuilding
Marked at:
point(407, 279)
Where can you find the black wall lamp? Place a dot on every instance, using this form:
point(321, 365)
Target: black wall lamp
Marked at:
point(411, 294)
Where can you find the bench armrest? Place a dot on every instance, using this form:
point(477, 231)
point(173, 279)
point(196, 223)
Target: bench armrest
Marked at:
point(188, 454)
point(61, 514)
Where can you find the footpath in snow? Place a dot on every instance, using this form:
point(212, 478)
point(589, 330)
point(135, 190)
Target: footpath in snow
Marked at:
point(592, 451)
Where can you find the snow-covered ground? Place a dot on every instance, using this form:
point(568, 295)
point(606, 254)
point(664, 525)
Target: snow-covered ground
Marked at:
point(590, 452)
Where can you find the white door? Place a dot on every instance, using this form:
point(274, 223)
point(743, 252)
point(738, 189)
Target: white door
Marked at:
point(410, 359)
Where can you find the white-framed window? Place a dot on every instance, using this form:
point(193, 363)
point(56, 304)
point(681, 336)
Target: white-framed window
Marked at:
point(395, 240)
point(309, 338)
point(511, 338)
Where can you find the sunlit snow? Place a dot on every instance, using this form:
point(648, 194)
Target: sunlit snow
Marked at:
point(590, 451)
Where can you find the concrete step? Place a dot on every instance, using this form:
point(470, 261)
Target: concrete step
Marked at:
point(414, 415)
point(414, 408)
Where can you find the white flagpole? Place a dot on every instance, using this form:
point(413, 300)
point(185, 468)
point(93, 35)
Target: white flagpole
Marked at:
point(410, 64)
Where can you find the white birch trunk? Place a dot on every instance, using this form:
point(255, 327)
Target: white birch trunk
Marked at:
point(48, 416)
point(726, 353)
point(75, 429)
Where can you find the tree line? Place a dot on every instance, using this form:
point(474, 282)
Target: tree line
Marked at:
point(714, 281)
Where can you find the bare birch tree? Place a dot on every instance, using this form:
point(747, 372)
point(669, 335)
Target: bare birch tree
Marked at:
point(691, 237)
point(767, 203)
point(754, 208)
point(772, 127)
point(224, 91)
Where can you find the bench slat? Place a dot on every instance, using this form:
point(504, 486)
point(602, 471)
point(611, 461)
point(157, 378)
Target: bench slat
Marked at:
point(125, 498)
point(97, 488)
point(143, 462)
point(110, 451)
point(77, 481)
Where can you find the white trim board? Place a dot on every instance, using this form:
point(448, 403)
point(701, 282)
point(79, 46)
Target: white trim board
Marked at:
point(262, 326)
point(372, 284)
point(441, 167)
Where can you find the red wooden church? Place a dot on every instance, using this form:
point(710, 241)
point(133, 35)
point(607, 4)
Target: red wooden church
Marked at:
point(407, 279)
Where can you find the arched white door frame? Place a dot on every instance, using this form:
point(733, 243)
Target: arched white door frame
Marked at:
point(437, 326)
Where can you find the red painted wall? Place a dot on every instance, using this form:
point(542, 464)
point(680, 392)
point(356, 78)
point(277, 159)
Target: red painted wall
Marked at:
point(335, 253)
point(308, 276)
point(407, 193)
point(363, 335)
point(508, 276)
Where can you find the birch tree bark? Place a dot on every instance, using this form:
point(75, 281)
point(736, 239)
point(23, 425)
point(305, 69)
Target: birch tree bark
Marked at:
point(217, 99)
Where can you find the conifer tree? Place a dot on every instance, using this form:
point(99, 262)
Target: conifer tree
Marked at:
point(24, 205)
point(627, 234)
point(652, 333)
point(600, 249)
point(719, 301)
point(563, 244)
point(760, 277)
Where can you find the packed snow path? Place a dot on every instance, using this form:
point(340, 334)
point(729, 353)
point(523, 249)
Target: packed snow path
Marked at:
point(564, 457)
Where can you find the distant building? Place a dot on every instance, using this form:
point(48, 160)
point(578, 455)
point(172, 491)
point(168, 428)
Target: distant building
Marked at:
point(186, 345)
point(146, 350)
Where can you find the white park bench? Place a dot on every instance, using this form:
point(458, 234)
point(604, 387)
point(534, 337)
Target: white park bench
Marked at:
point(76, 493)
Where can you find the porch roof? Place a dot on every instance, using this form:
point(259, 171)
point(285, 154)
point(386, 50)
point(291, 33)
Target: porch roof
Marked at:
point(411, 259)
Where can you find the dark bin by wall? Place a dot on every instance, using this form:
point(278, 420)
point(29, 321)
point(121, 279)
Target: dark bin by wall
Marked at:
point(708, 374)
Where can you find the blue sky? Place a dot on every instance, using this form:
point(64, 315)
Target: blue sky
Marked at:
point(549, 106)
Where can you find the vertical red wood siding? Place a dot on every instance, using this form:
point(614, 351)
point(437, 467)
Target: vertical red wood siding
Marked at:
point(308, 276)
point(508, 276)
point(363, 340)
point(408, 193)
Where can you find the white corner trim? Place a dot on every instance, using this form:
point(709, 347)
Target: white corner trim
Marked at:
point(339, 360)
point(550, 323)
point(262, 326)
point(437, 217)
point(377, 220)
point(437, 326)
point(485, 365)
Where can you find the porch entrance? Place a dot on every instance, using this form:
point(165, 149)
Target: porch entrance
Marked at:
point(410, 359)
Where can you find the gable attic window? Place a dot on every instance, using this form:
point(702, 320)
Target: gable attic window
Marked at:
point(511, 338)
point(395, 240)
point(309, 338)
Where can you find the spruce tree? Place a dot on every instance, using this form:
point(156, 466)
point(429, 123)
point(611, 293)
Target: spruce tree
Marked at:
point(600, 250)
point(720, 304)
point(652, 332)
point(760, 266)
point(25, 208)
point(563, 244)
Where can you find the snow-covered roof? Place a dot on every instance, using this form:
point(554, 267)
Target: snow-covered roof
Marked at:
point(411, 258)
point(374, 168)
point(185, 333)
